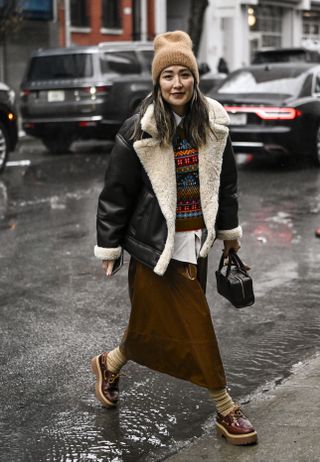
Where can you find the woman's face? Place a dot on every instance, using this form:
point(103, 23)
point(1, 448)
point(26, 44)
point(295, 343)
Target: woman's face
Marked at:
point(176, 85)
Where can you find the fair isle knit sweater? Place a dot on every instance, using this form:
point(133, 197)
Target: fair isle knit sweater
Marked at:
point(189, 213)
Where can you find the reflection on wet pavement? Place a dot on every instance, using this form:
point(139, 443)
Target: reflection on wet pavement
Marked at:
point(57, 311)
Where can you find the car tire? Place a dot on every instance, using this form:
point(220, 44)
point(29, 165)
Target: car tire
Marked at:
point(4, 149)
point(57, 145)
point(316, 154)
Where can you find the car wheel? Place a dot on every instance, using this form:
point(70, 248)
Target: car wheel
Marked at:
point(57, 145)
point(3, 146)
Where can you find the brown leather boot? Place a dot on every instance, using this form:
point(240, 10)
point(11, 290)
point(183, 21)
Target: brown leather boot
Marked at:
point(107, 386)
point(236, 428)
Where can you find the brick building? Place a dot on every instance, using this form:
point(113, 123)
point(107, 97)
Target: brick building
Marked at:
point(94, 21)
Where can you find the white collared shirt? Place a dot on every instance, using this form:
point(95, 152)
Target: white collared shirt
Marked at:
point(187, 245)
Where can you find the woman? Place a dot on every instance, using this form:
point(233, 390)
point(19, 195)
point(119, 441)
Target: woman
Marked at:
point(171, 183)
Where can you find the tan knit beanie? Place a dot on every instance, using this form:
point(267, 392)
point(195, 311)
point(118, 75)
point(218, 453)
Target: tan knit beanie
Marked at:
point(173, 48)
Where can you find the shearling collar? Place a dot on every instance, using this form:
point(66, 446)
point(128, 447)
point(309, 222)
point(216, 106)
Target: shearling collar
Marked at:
point(218, 119)
point(159, 164)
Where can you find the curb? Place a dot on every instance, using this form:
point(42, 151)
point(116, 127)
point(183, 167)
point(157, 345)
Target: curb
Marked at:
point(286, 418)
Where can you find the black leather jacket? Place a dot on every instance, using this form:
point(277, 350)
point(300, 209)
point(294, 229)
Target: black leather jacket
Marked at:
point(129, 214)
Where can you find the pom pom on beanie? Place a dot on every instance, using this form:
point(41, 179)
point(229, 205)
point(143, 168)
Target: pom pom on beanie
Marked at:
point(173, 49)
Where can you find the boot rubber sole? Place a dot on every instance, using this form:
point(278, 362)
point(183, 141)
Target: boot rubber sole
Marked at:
point(96, 369)
point(237, 440)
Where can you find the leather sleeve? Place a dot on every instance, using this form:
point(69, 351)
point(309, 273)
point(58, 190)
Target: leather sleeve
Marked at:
point(227, 222)
point(117, 199)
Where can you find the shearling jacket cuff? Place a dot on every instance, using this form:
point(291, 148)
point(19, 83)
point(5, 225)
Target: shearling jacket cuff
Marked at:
point(107, 253)
point(230, 234)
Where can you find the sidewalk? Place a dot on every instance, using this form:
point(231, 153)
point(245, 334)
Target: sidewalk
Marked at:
point(287, 419)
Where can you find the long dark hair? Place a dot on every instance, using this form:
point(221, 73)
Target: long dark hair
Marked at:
point(196, 122)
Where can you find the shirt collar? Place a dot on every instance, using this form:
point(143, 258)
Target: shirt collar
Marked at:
point(177, 118)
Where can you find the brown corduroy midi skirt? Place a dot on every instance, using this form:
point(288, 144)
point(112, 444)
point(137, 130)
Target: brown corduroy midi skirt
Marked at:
point(170, 328)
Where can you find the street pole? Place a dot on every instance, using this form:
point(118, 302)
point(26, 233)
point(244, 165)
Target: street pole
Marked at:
point(144, 20)
point(67, 23)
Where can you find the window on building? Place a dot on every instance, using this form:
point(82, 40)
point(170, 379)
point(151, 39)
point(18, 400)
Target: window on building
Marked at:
point(311, 28)
point(267, 20)
point(79, 13)
point(122, 62)
point(111, 14)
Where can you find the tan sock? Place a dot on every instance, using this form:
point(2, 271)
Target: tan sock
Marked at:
point(116, 360)
point(223, 401)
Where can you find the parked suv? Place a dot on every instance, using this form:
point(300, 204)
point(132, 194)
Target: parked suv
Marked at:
point(85, 92)
point(8, 123)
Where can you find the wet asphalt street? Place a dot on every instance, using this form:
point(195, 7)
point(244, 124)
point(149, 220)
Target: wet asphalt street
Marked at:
point(58, 310)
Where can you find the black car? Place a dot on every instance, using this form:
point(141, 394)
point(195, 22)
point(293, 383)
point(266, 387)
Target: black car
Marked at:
point(86, 92)
point(274, 109)
point(8, 124)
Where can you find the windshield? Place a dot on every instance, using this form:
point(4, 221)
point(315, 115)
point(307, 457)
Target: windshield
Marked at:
point(264, 80)
point(68, 66)
point(284, 56)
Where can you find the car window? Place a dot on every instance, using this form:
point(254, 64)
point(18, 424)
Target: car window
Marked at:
point(148, 57)
point(122, 62)
point(306, 89)
point(317, 84)
point(263, 80)
point(61, 67)
point(280, 57)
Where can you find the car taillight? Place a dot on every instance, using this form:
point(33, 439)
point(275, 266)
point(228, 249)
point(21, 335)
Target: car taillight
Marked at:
point(102, 89)
point(267, 112)
point(94, 90)
point(87, 123)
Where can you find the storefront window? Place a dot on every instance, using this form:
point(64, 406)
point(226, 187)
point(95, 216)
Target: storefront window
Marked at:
point(311, 28)
point(29, 9)
point(267, 21)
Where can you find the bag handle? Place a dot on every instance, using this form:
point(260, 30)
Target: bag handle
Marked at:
point(233, 259)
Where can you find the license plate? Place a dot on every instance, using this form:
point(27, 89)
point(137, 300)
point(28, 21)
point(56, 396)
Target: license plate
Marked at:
point(55, 96)
point(238, 119)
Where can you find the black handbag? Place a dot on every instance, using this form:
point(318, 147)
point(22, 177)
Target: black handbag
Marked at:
point(233, 281)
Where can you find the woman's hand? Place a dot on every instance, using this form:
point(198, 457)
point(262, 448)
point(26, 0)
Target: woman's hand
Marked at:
point(107, 266)
point(231, 245)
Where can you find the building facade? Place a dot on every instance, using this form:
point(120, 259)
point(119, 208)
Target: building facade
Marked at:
point(25, 25)
point(84, 22)
point(234, 29)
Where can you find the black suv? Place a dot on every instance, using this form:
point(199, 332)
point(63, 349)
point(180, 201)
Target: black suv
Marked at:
point(85, 92)
point(8, 124)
